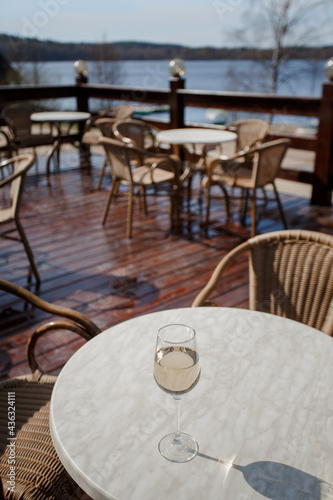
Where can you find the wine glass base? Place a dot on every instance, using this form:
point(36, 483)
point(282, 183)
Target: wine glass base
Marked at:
point(178, 449)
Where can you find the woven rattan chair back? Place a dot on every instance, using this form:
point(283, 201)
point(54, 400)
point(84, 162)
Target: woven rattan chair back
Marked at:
point(138, 170)
point(39, 474)
point(118, 156)
point(105, 125)
point(267, 162)
point(17, 118)
point(290, 275)
point(261, 170)
point(250, 132)
point(135, 132)
point(11, 192)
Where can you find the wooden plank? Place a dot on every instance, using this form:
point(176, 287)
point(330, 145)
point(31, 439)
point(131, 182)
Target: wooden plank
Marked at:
point(99, 272)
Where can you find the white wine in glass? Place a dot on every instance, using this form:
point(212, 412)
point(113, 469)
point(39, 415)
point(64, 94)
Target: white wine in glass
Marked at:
point(177, 371)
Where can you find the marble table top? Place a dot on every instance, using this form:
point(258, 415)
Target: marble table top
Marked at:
point(60, 116)
point(262, 411)
point(195, 136)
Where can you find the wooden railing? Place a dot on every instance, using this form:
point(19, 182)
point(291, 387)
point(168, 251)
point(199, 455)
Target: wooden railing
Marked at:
point(321, 178)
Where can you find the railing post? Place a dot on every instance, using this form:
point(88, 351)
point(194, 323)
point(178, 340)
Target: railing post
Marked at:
point(323, 169)
point(176, 103)
point(82, 104)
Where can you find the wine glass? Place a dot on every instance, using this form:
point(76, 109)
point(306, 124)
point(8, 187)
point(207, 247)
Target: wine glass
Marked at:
point(177, 371)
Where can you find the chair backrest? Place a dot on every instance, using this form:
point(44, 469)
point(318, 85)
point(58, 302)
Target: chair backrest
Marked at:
point(118, 154)
point(135, 132)
point(267, 161)
point(249, 132)
point(105, 126)
point(18, 119)
point(14, 183)
point(290, 275)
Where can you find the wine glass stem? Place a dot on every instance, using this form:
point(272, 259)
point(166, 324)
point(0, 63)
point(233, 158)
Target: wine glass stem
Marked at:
point(177, 433)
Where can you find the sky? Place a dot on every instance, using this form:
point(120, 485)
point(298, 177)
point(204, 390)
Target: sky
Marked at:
point(194, 23)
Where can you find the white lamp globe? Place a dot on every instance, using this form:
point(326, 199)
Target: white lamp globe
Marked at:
point(81, 67)
point(177, 68)
point(328, 68)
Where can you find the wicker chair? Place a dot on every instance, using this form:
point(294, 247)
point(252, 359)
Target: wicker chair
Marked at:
point(91, 134)
point(250, 132)
point(290, 275)
point(265, 161)
point(149, 172)
point(100, 125)
point(17, 119)
point(24, 426)
point(103, 128)
point(11, 191)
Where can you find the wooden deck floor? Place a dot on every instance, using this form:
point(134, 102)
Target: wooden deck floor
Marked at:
point(96, 270)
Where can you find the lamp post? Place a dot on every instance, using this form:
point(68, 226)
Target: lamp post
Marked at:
point(177, 68)
point(177, 82)
point(81, 70)
point(328, 69)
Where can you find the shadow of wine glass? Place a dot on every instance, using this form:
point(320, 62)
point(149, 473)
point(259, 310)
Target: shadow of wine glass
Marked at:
point(278, 481)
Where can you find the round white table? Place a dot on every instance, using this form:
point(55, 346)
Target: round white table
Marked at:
point(58, 118)
point(179, 136)
point(262, 411)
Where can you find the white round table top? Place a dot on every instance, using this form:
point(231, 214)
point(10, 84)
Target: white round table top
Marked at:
point(195, 136)
point(60, 116)
point(262, 411)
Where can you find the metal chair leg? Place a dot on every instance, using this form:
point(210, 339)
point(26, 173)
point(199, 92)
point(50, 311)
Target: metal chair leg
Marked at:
point(101, 175)
point(129, 212)
point(114, 187)
point(28, 250)
point(283, 217)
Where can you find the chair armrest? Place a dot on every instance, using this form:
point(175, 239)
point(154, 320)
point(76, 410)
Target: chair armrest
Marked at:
point(65, 312)
point(161, 163)
point(119, 136)
point(29, 162)
point(78, 323)
point(224, 160)
point(148, 153)
point(36, 370)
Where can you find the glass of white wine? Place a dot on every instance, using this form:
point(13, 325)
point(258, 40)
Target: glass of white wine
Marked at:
point(177, 371)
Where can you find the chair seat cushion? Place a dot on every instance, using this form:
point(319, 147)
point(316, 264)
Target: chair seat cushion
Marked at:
point(233, 173)
point(143, 175)
point(39, 473)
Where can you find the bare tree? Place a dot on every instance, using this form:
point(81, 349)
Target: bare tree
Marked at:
point(281, 26)
point(107, 68)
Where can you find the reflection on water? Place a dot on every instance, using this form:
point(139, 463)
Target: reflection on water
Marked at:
point(279, 481)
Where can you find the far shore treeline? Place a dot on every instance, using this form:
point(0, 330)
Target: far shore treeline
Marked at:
point(17, 49)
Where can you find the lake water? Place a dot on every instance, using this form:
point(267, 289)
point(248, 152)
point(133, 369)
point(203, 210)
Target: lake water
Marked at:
point(299, 77)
